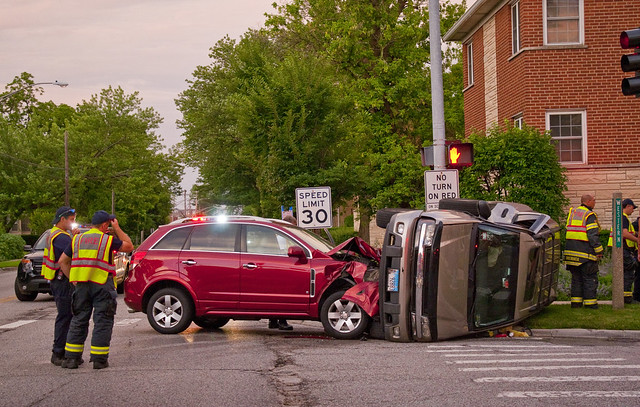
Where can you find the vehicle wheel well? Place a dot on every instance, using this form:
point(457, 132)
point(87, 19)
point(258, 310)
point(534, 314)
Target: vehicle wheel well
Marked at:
point(159, 286)
point(343, 283)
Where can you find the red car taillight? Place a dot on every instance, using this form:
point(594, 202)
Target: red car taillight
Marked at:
point(135, 260)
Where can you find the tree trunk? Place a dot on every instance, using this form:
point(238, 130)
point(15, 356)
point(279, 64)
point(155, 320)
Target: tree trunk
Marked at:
point(363, 230)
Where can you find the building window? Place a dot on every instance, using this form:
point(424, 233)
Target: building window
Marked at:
point(563, 22)
point(518, 121)
point(515, 28)
point(568, 131)
point(469, 64)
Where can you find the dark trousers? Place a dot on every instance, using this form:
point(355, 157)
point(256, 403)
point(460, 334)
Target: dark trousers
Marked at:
point(99, 299)
point(62, 291)
point(629, 264)
point(636, 283)
point(584, 280)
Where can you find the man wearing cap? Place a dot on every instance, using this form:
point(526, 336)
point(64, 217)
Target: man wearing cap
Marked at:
point(582, 252)
point(88, 262)
point(58, 240)
point(630, 248)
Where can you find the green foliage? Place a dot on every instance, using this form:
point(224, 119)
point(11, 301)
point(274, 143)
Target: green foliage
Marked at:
point(342, 233)
point(516, 165)
point(11, 246)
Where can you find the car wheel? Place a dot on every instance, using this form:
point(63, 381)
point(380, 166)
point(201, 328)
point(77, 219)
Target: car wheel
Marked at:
point(21, 295)
point(170, 311)
point(383, 216)
point(210, 323)
point(343, 319)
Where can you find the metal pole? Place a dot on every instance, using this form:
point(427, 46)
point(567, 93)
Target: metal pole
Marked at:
point(617, 285)
point(66, 168)
point(113, 201)
point(437, 92)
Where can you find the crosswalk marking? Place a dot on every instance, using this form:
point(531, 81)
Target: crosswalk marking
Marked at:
point(127, 321)
point(17, 324)
point(506, 353)
point(565, 394)
point(551, 379)
point(537, 360)
point(528, 368)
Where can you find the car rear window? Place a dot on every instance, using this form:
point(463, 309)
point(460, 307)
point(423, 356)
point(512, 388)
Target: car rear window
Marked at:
point(214, 237)
point(174, 240)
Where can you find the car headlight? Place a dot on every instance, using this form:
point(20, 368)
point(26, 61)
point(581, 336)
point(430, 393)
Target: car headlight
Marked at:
point(428, 237)
point(27, 266)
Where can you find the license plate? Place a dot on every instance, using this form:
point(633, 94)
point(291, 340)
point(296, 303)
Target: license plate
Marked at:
point(393, 276)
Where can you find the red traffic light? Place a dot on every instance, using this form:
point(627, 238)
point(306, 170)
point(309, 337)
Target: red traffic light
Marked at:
point(630, 39)
point(460, 155)
point(631, 62)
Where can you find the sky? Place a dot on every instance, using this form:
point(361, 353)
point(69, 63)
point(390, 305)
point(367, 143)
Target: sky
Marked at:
point(148, 46)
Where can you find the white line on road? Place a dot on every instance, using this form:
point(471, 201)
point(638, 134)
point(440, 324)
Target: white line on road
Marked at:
point(496, 345)
point(127, 321)
point(538, 360)
point(512, 368)
point(565, 394)
point(507, 353)
point(17, 324)
point(549, 379)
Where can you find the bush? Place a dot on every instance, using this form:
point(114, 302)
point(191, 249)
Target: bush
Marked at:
point(11, 247)
point(342, 233)
point(605, 280)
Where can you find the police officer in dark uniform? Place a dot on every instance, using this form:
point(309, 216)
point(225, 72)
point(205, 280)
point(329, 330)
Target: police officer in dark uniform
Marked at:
point(88, 262)
point(58, 239)
point(582, 252)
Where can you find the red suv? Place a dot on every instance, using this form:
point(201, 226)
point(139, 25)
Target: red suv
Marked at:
point(212, 269)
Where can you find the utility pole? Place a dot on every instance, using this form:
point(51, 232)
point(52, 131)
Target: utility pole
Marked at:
point(185, 202)
point(437, 92)
point(66, 168)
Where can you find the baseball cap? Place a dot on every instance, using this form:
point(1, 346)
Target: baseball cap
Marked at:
point(628, 202)
point(101, 217)
point(63, 211)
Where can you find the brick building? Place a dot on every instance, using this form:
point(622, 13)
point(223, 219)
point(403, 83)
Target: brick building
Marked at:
point(555, 65)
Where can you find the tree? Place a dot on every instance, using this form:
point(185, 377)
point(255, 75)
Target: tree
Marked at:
point(516, 165)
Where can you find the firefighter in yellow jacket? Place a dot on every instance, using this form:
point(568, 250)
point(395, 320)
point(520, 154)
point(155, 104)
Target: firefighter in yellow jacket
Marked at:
point(582, 252)
point(630, 248)
point(88, 263)
point(58, 240)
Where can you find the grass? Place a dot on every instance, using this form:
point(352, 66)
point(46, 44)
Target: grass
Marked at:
point(10, 263)
point(562, 316)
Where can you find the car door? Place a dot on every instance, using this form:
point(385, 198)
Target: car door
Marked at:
point(210, 264)
point(270, 280)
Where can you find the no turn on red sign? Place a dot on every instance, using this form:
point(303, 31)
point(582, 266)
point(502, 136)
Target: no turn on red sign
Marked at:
point(440, 185)
point(313, 207)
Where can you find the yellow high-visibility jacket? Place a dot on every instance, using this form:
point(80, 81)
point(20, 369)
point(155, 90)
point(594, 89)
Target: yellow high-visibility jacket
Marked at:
point(49, 264)
point(90, 261)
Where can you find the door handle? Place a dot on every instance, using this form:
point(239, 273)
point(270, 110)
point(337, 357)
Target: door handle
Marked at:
point(189, 262)
point(250, 266)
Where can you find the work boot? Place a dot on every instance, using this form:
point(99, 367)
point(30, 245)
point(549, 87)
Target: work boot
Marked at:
point(628, 300)
point(71, 363)
point(594, 306)
point(284, 326)
point(273, 323)
point(57, 358)
point(576, 305)
point(100, 364)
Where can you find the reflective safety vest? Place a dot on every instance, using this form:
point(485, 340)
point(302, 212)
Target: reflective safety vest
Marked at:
point(578, 250)
point(629, 243)
point(576, 223)
point(49, 264)
point(90, 261)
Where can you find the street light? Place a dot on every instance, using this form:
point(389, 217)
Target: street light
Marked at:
point(57, 83)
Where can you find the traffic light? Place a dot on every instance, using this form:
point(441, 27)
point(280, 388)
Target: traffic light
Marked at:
point(459, 155)
point(631, 62)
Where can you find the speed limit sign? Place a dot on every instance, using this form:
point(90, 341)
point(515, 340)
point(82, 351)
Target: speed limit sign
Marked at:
point(313, 207)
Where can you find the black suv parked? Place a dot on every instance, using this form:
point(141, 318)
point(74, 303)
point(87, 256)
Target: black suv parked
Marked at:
point(29, 281)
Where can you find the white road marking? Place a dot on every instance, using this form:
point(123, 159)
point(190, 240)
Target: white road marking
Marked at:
point(496, 345)
point(565, 394)
point(17, 324)
point(127, 321)
point(563, 367)
point(551, 379)
point(538, 360)
point(507, 353)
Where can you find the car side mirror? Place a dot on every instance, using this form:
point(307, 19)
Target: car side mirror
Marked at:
point(26, 248)
point(296, 251)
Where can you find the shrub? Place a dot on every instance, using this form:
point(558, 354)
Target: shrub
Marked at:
point(342, 233)
point(11, 247)
point(605, 280)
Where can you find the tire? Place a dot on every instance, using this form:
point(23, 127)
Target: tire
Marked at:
point(170, 311)
point(383, 216)
point(21, 295)
point(343, 319)
point(210, 322)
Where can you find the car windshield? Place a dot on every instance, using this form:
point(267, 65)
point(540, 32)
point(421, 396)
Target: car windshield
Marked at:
point(309, 238)
point(42, 241)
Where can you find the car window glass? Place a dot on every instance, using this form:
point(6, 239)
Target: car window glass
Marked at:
point(310, 238)
point(214, 237)
point(263, 240)
point(42, 241)
point(174, 240)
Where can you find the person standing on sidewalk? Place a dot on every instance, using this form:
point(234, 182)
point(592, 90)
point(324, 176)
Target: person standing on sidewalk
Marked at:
point(582, 252)
point(88, 263)
point(61, 289)
point(630, 248)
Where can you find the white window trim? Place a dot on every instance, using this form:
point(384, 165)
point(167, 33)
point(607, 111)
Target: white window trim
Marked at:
point(583, 113)
point(470, 76)
point(515, 42)
point(580, 25)
point(518, 121)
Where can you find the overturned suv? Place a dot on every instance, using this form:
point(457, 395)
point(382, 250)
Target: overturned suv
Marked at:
point(470, 266)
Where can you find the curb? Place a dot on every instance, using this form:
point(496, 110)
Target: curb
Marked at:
point(587, 333)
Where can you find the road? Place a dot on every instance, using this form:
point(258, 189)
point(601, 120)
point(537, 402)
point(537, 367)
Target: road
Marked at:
point(246, 364)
